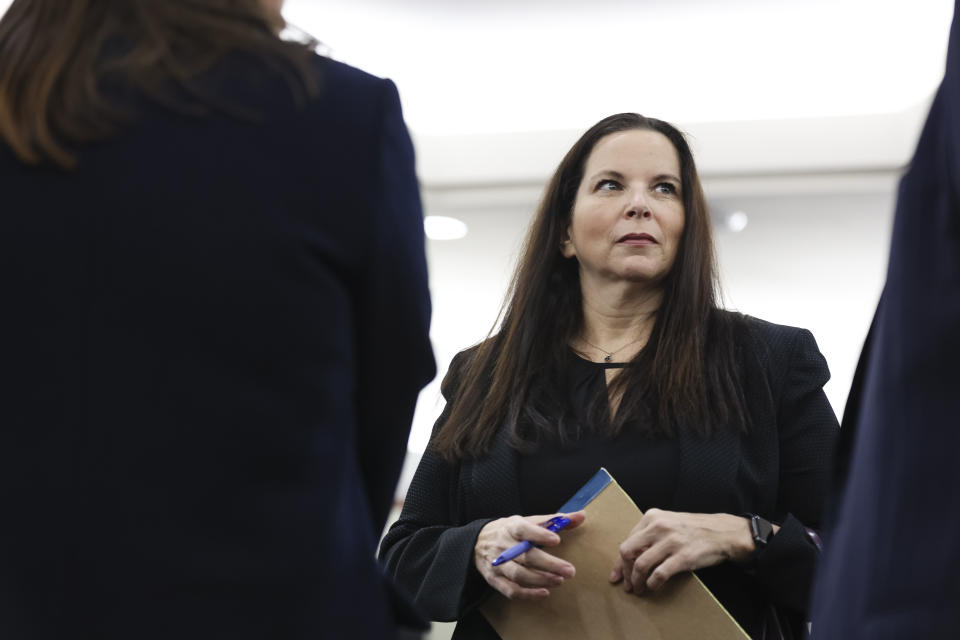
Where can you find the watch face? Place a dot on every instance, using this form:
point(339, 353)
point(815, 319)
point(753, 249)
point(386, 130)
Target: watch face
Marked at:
point(762, 529)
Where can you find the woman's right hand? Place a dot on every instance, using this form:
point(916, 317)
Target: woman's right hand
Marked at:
point(532, 574)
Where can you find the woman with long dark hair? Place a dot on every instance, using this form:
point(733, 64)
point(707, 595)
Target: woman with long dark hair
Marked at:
point(215, 325)
point(614, 351)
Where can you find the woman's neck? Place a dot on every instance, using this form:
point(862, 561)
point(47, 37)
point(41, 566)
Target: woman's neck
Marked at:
point(618, 318)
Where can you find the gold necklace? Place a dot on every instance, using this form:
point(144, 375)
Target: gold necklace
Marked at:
point(609, 354)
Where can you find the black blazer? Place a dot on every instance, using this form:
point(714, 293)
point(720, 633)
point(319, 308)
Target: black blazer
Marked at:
point(892, 563)
point(778, 471)
point(215, 330)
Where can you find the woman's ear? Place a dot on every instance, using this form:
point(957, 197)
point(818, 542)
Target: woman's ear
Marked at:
point(566, 245)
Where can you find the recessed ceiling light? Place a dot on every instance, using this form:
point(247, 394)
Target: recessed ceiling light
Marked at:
point(737, 221)
point(444, 228)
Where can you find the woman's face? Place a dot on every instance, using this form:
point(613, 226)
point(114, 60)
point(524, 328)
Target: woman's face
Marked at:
point(628, 214)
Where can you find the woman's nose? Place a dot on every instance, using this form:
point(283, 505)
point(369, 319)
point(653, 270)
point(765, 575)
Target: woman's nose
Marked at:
point(638, 207)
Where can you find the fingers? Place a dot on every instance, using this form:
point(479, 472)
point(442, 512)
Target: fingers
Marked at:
point(666, 543)
point(513, 591)
point(648, 561)
point(577, 518)
point(616, 575)
point(542, 561)
point(631, 551)
point(531, 574)
point(652, 568)
point(665, 570)
point(529, 577)
point(519, 580)
point(530, 528)
point(651, 542)
point(647, 531)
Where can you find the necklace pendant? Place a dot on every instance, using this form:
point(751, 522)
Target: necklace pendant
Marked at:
point(607, 358)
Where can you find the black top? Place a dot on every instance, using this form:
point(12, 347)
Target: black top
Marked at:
point(215, 331)
point(778, 470)
point(644, 466)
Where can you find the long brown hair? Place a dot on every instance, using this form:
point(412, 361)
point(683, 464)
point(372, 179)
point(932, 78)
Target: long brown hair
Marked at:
point(685, 378)
point(53, 63)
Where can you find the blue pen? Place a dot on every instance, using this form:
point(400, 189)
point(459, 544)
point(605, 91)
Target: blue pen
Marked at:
point(553, 524)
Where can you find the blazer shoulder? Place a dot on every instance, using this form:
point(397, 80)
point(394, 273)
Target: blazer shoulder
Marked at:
point(779, 339)
point(460, 365)
point(341, 80)
point(780, 348)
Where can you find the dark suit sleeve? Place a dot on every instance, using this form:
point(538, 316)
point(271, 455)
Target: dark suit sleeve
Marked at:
point(427, 552)
point(808, 430)
point(395, 359)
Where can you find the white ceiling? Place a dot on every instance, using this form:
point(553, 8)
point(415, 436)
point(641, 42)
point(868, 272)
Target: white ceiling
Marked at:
point(496, 91)
point(477, 66)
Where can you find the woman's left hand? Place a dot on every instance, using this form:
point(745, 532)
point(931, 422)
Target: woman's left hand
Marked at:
point(665, 543)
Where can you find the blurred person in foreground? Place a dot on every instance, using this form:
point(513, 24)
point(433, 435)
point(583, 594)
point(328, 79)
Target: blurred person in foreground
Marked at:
point(614, 352)
point(891, 568)
point(215, 317)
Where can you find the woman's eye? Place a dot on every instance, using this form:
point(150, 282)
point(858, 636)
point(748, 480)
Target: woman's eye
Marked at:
point(608, 185)
point(666, 187)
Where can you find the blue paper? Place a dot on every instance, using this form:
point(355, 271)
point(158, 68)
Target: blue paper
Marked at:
point(587, 492)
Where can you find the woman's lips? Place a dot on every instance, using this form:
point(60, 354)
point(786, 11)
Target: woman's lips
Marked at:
point(637, 239)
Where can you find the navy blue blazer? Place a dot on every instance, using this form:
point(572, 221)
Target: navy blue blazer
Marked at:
point(214, 333)
point(891, 567)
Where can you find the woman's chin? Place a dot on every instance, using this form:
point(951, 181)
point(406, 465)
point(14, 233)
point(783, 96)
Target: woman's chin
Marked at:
point(642, 275)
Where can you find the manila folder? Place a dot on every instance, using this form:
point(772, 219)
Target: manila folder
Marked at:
point(589, 606)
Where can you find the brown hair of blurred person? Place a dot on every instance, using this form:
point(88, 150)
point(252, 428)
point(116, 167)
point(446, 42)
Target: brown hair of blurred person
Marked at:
point(56, 57)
